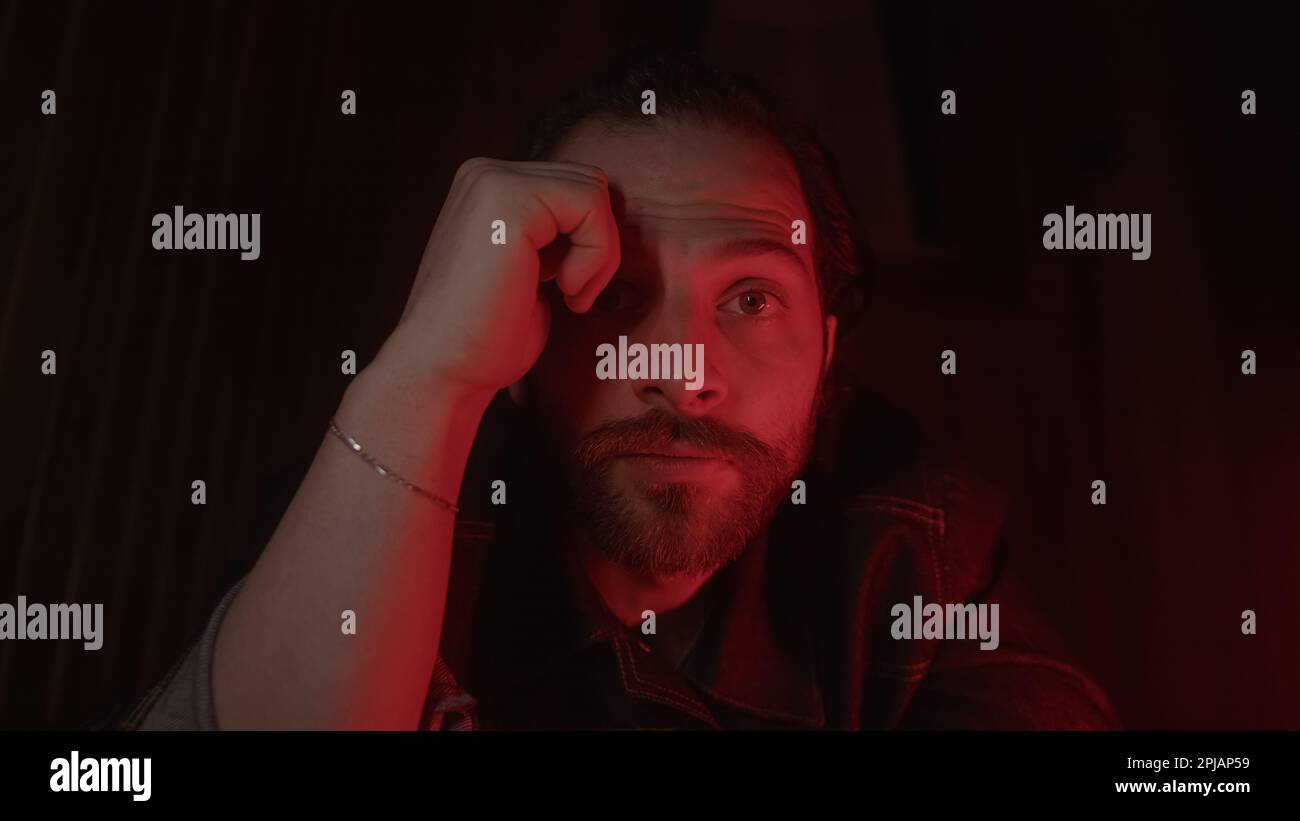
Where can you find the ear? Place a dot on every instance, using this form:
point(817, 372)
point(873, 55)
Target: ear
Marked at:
point(831, 324)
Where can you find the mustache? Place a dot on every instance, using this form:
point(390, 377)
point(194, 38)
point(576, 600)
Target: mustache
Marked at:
point(657, 429)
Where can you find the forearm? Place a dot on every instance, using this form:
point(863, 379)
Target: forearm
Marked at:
point(350, 540)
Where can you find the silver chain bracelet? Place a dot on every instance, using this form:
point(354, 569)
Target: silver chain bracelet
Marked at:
point(385, 471)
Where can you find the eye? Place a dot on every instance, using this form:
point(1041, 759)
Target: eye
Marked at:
point(618, 296)
point(752, 303)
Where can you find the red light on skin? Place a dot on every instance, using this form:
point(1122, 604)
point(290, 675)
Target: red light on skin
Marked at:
point(660, 468)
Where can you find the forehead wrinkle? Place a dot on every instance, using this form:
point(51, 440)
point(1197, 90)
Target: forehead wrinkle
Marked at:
point(657, 162)
point(643, 254)
point(639, 235)
point(744, 232)
point(682, 169)
point(695, 210)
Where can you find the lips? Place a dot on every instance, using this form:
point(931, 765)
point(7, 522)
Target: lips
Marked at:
point(673, 465)
point(674, 453)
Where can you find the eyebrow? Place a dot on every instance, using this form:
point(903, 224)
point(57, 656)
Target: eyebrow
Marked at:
point(754, 247)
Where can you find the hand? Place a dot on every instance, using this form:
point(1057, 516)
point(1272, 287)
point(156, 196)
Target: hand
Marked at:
point(476, 319)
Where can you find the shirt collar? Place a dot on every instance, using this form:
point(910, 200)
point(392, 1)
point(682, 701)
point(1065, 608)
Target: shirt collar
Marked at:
point(755, 650)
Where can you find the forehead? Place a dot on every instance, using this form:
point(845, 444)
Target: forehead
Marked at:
point(691, 179)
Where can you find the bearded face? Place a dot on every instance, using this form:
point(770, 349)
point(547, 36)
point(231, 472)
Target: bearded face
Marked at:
point(669, 475)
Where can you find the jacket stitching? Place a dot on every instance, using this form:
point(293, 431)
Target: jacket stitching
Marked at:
point(650, 689)
point(910, 508)
point(763, 711)
point(655, 692)
point(933, 534)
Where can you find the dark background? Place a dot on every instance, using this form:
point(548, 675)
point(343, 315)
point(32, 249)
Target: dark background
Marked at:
point(1072, 366)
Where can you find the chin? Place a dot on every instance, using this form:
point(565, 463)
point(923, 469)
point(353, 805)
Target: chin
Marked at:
point(687, 539)
point(667, 528)
point(675, 500)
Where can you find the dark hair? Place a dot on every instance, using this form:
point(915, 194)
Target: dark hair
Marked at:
point(686, 87)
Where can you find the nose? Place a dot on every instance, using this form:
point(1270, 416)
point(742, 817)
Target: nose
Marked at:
point(688, 332)
point(674, 397)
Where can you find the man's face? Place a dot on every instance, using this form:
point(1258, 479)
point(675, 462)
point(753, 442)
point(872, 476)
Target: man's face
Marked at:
point(669, 480)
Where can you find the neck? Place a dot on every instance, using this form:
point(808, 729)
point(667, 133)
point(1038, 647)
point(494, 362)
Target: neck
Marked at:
point(628, 594)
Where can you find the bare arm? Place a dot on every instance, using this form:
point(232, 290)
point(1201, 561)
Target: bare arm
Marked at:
point(350, 540)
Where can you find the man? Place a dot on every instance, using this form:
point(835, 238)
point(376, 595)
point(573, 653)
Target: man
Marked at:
point(668, 555)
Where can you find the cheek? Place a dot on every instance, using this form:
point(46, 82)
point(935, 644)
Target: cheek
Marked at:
point(774, 402)
point(782, 361)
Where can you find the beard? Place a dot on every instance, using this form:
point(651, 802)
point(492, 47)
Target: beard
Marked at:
point(669, 528)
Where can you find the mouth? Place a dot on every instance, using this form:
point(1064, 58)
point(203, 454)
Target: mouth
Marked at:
point(673, 453)
point(674, 465)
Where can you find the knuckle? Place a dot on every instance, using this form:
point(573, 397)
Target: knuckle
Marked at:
point(595, 172)
point(588, 167)
point(471, 167)
point(491, 181)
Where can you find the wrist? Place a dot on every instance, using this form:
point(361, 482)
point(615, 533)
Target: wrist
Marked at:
point(425, 389)
point(420, 428)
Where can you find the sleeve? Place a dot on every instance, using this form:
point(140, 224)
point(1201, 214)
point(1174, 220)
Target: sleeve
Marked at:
point(183, 699)
point(448, 707)
point(1028, 682)
point(1020, 691)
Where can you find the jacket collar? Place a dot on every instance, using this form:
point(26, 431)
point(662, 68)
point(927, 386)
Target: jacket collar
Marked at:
point(738, 641)
point(755, 651)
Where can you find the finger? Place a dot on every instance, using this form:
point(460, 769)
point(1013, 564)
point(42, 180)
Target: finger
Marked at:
point(586, 269)
point(564, 174)
point(582, 301)
point(593, 171)
point(473, 172)
point(579, 172)
point(550, 257)
point(582, 213)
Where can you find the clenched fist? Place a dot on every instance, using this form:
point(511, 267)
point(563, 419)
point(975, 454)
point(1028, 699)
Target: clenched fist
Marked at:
point(475, 320)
